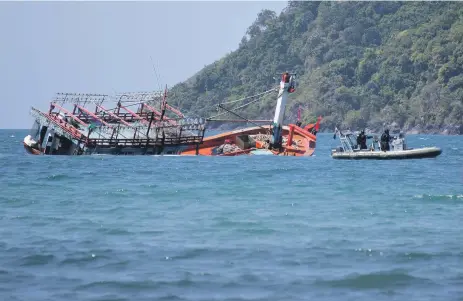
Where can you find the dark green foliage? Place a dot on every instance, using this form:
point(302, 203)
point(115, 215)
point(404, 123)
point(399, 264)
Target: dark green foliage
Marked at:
point(359, 64)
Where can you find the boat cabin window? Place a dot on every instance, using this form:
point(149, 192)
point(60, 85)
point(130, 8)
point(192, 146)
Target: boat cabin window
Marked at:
point(35, 130)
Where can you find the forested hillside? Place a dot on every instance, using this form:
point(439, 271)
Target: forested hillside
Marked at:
point(358, 64)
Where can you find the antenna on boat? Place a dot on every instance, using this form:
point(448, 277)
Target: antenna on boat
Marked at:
point(163, 104)
point(156, 74)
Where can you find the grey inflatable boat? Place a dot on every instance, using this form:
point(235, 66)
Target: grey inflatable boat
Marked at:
point(350, 150)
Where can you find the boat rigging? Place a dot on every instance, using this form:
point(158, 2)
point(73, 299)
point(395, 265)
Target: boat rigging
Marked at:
point(257, 97)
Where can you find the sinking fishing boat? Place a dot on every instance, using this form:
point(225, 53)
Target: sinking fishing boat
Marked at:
point(88, 127)
point(272, 139)
point(350, 150)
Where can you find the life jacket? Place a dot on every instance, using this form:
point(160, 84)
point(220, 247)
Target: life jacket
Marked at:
point(384, 137)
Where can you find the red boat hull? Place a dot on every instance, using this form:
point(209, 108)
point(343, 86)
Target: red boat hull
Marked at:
point(31, 150)
point(304, 140)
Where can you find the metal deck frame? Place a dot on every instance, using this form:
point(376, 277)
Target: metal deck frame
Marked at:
point(82, 117)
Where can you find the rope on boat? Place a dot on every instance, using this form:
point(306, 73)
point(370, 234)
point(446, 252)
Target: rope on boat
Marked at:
point(242, 99)
point(242, 106)
point(242, 117)
point(137, 102)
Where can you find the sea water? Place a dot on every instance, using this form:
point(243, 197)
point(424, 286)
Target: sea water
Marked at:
point(231, 228)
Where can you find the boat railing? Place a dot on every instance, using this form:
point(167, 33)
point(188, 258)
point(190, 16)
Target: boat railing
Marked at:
point(86, 120)
point(144, 142)
point(346, 142)
point(59, 125)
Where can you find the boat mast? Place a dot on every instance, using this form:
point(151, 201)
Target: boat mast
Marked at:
point(286, 87)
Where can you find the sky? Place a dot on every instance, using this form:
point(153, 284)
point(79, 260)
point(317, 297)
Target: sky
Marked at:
point(109, 47)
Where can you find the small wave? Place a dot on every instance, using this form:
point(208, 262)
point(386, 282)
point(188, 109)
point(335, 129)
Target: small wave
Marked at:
point(369, 252)
point(135, 285)
point(192, 253)
point(86, 257)
point(114, 231)
point(415, 256)
point(290, 262)
point(247, 278)
point(88, 173)
point(118, 285)
point(16, 203)
point(116, 191)
point(37, 259)
point(57, 177)
point(257, 231)
point(77, 260)
point(152, 232)
point(379, 280)
point(439, 197)
point(151, 185)
point(170, 297)
point(119, 265)
point(232, 285)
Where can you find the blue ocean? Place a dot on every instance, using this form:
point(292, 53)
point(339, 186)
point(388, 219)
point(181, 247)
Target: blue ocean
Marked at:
point(231, 228)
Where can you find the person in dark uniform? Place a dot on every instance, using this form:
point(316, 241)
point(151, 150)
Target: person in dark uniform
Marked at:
point(385, 138)
point(362, 140)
